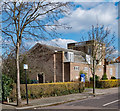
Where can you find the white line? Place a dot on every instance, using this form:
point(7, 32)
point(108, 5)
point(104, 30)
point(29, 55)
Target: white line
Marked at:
point(110, 102)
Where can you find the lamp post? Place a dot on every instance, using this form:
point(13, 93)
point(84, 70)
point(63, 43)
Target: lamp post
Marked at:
point(25, 68)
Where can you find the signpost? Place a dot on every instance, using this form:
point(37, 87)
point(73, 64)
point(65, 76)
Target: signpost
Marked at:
point(82, 79)
point(26, 67)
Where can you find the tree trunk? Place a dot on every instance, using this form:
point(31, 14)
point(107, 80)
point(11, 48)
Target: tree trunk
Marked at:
point(18, 76)
point(93, 78)
point(93, 84)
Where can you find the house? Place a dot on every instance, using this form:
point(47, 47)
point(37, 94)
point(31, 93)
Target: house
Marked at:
point(54, 64)
point(87, 47)
point(117, 60)
point(117, 66)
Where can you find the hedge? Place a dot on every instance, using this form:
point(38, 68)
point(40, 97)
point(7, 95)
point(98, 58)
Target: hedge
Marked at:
point(104, 83)
point(48, 89)
point(108, 83)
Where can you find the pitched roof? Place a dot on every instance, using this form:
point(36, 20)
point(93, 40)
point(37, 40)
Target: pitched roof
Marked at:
point(79, 55)
point(53, 49)
point(118, 59)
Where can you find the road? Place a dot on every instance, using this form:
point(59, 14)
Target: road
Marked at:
point(99, 102)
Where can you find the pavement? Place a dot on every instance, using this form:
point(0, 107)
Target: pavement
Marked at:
point(50, 101)
point(109, 101)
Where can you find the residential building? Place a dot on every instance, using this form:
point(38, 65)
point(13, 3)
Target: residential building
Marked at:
point(117, 66)
point(117, 60)
point(91, 47)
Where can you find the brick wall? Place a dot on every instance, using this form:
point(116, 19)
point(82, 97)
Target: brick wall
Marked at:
point(40, 61)
point(59, 66)
point(84, 67)
point(75, 73)
point(67, 71)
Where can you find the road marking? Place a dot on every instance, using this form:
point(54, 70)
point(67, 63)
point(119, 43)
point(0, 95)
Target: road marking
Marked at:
point(110, 102)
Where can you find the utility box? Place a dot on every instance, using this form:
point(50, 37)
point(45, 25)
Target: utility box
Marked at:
point(82, 78)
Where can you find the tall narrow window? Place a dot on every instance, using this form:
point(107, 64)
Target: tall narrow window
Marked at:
point(70, 56)
point(89, 50)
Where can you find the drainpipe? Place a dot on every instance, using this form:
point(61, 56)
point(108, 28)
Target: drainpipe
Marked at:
point(70, 71)
point(63, 66)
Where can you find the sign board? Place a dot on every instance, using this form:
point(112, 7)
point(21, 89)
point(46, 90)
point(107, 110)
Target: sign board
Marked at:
point(82, 77)
point(25, 66)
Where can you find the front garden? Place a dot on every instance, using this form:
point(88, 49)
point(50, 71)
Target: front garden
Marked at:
point(51, 89)
point(40, 90)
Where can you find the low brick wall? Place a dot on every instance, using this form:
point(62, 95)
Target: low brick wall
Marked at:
point(48, 89)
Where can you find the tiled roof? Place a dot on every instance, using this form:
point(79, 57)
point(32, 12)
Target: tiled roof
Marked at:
point(118, 59)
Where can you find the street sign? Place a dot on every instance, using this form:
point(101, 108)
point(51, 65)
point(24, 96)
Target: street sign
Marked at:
point(25, 66)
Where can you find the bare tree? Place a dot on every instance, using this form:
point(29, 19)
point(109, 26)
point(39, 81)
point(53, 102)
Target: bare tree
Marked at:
point(26, 21)
point(100, 46)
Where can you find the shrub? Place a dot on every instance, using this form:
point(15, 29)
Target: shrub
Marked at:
point(33, 81)
point(7, 86)
point(49, 89)
point(113, 77)
point(104, 83)
point(96, 78)
point(108, 83)
point(104, 77)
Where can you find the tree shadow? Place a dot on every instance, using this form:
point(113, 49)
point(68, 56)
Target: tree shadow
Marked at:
point(10, 104)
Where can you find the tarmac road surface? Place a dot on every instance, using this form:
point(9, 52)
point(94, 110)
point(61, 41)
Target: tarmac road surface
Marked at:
point(110, 101)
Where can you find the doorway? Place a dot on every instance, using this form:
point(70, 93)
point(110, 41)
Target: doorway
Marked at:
point(40, 78)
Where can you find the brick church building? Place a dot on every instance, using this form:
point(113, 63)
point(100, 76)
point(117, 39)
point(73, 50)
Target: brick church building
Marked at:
point(53, 64)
